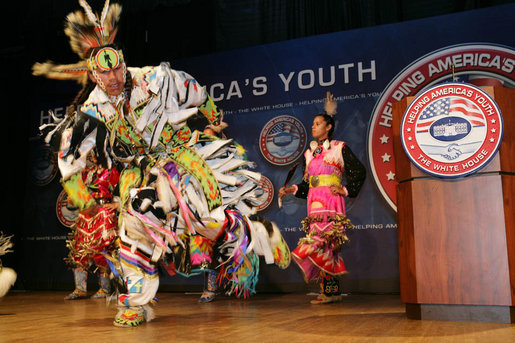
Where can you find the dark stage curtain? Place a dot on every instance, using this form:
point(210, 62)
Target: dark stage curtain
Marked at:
point(240, 23)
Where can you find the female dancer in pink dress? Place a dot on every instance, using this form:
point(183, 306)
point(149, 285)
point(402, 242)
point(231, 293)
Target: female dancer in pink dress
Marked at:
point(326, 163)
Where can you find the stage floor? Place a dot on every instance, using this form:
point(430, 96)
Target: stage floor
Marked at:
point(277, 318)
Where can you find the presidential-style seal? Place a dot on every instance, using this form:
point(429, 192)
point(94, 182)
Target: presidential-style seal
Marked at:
point(282, 140)
point(66, 213)
point(451, 130)
point(43, 165)
point(268, 192)
point(477, 63)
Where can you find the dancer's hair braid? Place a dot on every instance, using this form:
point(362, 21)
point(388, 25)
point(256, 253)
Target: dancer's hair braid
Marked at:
point(81, 96)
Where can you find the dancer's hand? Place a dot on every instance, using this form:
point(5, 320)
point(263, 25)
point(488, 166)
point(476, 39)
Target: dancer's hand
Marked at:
point(286, 190)
point(338, 189)
point(112, 206)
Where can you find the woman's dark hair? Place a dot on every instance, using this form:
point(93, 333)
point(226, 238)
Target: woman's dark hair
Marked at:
point(329, 120)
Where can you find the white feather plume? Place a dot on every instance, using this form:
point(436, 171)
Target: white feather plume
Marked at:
point(330, 104)
point(104, 13)
point(5, 244)
point(89, 12)
point(7, 279)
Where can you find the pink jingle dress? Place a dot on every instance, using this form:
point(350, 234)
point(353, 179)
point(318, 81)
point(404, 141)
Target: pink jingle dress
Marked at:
point(319, 251)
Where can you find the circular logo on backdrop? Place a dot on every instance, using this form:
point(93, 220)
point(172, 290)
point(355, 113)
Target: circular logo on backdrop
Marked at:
point(268, 193)
point(43, 165)
point(282, 140)
point(451, 130)
point(66, 213)
point(478, 64)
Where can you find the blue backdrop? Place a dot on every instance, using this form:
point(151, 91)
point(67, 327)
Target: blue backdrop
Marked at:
point(270, 94)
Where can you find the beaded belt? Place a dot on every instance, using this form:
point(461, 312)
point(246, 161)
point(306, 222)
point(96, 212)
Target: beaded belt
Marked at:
point(324, 180)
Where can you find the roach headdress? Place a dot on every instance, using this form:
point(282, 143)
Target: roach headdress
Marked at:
point(91, 37)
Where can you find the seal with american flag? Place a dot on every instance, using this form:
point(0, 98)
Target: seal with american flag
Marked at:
point(282, 140)
point(451, 130)
point(268, 193)
point(487, 65)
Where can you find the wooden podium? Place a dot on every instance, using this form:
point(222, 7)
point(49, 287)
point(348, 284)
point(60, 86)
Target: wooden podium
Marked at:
point(457, 237)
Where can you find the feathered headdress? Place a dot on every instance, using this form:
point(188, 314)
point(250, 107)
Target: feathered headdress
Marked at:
point(76, 72)
point(86, 30)
point(330, 106)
